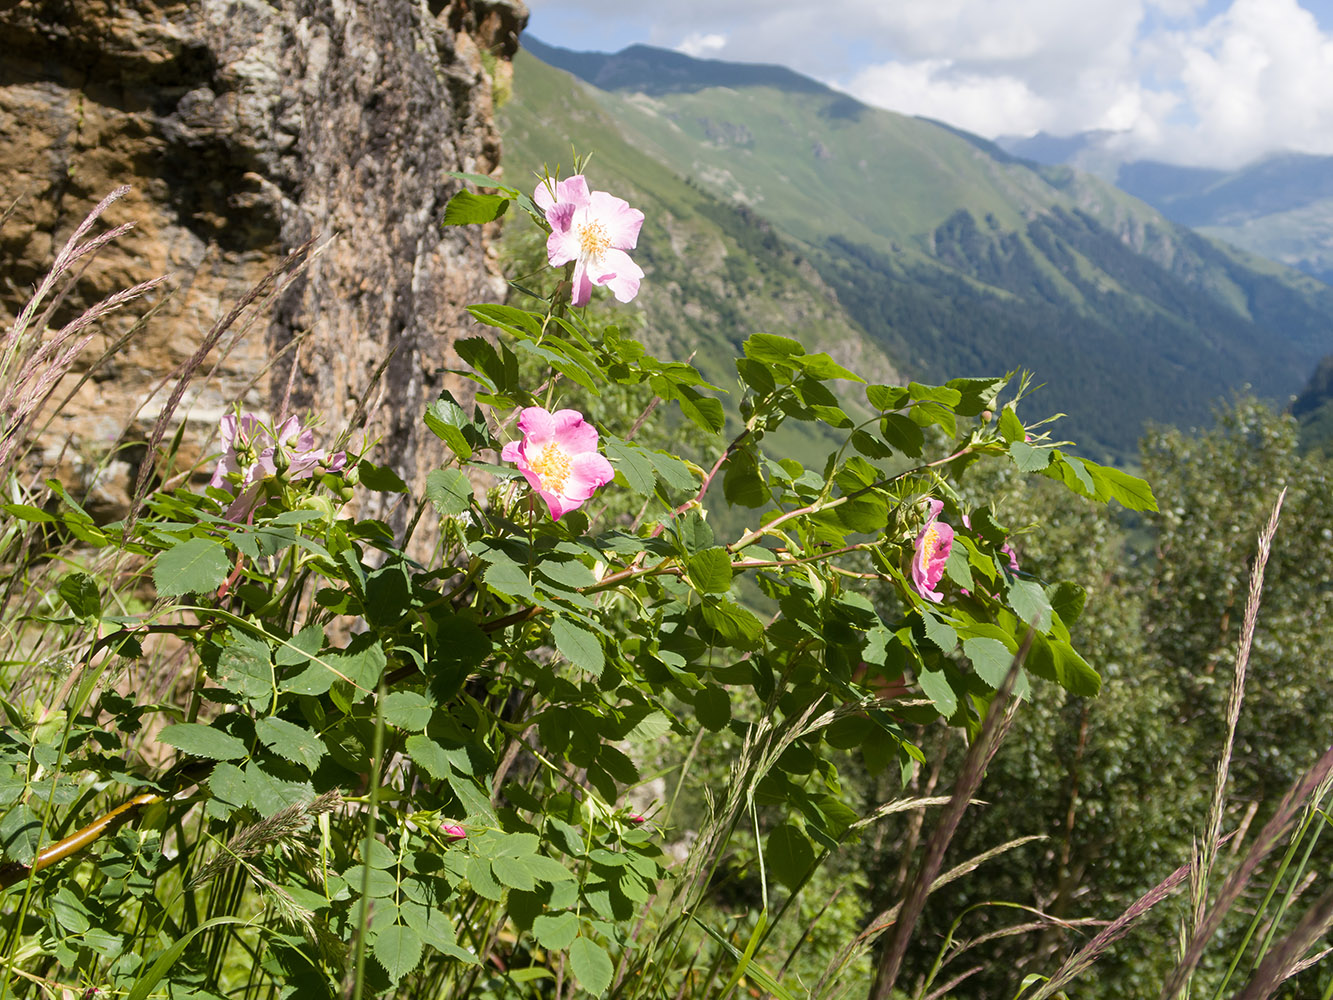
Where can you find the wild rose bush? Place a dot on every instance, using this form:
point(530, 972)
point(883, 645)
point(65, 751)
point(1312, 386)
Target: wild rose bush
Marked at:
point(416, 772)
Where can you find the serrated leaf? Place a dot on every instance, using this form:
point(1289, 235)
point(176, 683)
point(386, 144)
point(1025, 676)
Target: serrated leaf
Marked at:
point(1057, 661)
point(398, 949)
point(555, 933)
point(650, 727)
point(293, 742)
point(407, 710)
point(546, 869)
point(1030, 602)
point(194, 566)
point(1028, 458)
point(630, 461)
point(940, 633)
point(429, 756)
point(712, 707)
point(710, 570)
point(937, 688)
point(199, 740)
point(1067, 600)
point(449, 490)
point(736, 625)
point(990, 658)
point(591, 965)
point(20, 831)
point(81, 593)
point(578, 645)
point(513, 873)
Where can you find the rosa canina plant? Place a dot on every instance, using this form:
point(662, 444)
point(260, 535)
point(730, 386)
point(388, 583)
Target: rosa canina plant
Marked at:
point(395, 775)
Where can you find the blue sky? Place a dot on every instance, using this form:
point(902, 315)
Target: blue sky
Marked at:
point(1210, 82)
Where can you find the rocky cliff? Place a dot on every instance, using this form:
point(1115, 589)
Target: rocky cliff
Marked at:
point(245, 128)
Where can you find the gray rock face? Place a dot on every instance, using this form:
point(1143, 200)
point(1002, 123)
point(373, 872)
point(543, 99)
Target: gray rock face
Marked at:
point(245, 128)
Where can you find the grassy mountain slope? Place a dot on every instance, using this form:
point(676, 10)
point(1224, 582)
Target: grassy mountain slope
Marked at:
point(715, 272)
point(952, 256)
point(1279, 207)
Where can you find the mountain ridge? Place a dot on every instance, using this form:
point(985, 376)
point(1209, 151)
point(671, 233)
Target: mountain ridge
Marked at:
point(948, 257)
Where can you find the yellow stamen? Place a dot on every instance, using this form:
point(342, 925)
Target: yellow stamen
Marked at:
point(594, 240)
point(552, 468)
point(930, 541)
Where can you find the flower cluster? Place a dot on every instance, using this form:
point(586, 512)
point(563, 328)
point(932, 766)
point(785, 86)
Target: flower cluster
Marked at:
point(251, 452)
point(558, 457)
point(592, 229)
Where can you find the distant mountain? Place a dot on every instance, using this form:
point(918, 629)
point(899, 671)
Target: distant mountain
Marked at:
point(935, 248)
point(1280, 207)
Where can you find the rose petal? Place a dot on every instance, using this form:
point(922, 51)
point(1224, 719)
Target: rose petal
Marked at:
point(622, 223)
point(537, 426)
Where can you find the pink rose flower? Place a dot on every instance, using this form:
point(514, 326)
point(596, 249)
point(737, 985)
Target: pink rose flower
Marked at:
point(931, 553)
point(247, 449)
point(593, 229)
point(558, 457)
point(250, 452)
point(454, 831)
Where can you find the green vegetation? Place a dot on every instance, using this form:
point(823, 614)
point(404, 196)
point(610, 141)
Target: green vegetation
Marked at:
point(943, 252)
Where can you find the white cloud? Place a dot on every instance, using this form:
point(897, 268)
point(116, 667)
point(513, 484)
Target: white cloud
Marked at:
point(1215, 81)
point(702, 46)
point(934, 88)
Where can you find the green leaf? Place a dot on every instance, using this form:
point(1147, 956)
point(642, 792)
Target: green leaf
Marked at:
point(902, 434)
point(449, 490)
point(270, 792)
point(295, 743)
point(591, 965)
point(1030, 602)
point(976, 394)
point(1028, 458)
point(788, 855)
point(1067, 600)
point(507, 577)
point(555, 933)
point(652, 725)
point(990, 658)
point(712, 707)
point(1011, 428)
point(244, 668)
point(398, 948)
point(772, 349)
point(449, 422)
point(466, 208)
point(1056, 660)
point(710, 570)
point(736, 625)
point(937, 688)
point(380, 478)
point(27, 512)
point(407, 710)
point(546, 869)
point(20, 831)
point(194, 566)
point(429, 756)
point(887, 397)
point(513, 873)
point(199, 740)
point(632, 464)
point(81, 593)
point(940, 633)
point(704, 411)
point(578, 645)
